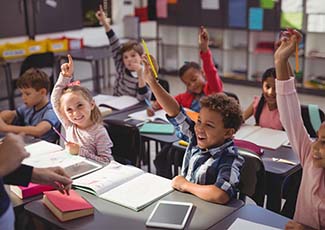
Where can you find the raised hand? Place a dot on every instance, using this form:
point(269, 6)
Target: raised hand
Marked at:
point(67, 68)
point(287, 44)
point(103, 20)
point(148, 74)
point(203, 39)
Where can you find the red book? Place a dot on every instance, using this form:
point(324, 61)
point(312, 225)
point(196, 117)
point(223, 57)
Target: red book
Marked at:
point(67, 207)
point(31, 190)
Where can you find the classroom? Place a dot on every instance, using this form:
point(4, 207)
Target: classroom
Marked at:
point(169, 114)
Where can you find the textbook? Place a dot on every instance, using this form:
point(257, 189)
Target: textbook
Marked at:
point(29, 191)
point(157, 128)
point(263, 137)
point(67, 207)
point(125, 185)
point(45, 154)
point(143, 116)
point(115, 102)
point(104, 111)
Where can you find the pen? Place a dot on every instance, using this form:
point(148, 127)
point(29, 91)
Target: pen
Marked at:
point(150, 61)
point(148, 103)
point(297, 59)
point(57, 132)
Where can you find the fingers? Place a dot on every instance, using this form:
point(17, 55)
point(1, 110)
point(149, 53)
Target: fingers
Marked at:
point(70, 61)
point(101, 8)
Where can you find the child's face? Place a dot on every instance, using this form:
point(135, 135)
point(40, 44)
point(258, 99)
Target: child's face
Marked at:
point(269, 91)
point(209, 129)
point(132, 60)
point(194, 80)
point(31, 96)
point(77, 109)
point(318, 149)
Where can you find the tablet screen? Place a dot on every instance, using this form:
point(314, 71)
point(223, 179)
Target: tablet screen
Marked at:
point(170, 214)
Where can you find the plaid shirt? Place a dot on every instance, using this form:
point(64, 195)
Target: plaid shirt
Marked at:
point(219, 165)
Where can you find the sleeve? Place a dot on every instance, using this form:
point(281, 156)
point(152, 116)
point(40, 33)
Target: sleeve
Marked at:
point(21, 176)
point(103, 145)
point(55, 98)
point(19, 119)
point(229, 176)
point(144, 93)
point(290, 117)
point(214, 82)
point(51, 117)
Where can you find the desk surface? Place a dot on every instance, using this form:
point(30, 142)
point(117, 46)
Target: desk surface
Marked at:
point(255, 214)
point(113, 216)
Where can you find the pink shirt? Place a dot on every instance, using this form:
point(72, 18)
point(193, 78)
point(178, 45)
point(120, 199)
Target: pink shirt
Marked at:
point(310, 207)
point(268, 119)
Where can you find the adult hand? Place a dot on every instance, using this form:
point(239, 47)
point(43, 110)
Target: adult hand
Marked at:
point(12, 153)
point(67, 68)
point(54, 176)
point(203, 39)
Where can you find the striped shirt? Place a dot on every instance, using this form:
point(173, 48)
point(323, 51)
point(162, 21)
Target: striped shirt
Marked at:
point(94, 141)
point(219, 166)
point(125, 83)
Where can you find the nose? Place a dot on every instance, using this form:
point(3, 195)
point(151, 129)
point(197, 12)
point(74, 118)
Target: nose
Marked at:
point(271, 91)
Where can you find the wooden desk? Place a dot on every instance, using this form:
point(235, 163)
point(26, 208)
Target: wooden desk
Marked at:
point(255, 214)
point(112, 216)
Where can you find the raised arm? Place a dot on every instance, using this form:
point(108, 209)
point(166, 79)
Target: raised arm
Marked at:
point(167, 102)
point(103, 20)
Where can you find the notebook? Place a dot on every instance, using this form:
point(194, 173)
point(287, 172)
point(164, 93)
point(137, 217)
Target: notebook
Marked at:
point(114, 102)
point(157, 128)
point(143, 116)
point(124, 185)
point(31, 190)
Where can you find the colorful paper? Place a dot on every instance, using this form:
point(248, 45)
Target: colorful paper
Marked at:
point(291, 20)
point(256, 18)
point(161, 9)
point(267, 4)
point(236, 14)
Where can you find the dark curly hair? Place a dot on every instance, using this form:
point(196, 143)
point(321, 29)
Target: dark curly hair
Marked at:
point(34, 78)
point(187, 66)
point(132, 45)
point(228, 108)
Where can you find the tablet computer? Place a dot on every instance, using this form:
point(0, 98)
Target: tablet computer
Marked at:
point(170, 214)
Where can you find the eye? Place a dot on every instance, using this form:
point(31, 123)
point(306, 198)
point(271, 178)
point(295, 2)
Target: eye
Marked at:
point(80, 105)
point(69, 110)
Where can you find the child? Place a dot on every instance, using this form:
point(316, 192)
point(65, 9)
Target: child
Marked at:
point(265, 109)
point(36, 116)
point(310, 208)
point(211, 165)
point(80, 118)
point(127, 59)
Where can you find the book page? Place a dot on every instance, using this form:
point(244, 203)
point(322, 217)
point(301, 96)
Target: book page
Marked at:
point(143, 116)
point(240, 224)
point(103, 99)
point(137, 194)
point(106, 178)
point(245, 130)
point(41, 148)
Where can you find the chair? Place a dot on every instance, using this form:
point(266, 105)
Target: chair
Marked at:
point(312, 116)
point(252, 178)
point(42, 60)
point(164, 84)
point(126, 142)
point(230, 94)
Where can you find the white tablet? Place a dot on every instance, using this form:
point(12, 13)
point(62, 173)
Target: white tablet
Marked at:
point(170, 214)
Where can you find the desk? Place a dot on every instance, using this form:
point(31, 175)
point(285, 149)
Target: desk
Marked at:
point(112, 216)
point(255, 214)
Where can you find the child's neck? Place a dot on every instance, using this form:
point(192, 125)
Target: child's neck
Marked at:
point(41, 104)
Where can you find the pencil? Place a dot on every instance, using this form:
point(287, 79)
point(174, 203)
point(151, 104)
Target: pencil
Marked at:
point(150, 61)
point(297, 58)
point(57, 132)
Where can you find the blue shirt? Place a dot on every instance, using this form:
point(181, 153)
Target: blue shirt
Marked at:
point(219, 166)
point(27, 116)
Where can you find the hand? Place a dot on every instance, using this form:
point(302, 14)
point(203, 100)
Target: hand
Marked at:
point(3, 125)
point(12, 153)
point(150, 112)
point(179, 183)
point(73, 148)
point(292, 225)
point(54, 176)
point(103, 20)
point(203, 39)
point(67, 68)
point(287, 44)
point(148, 74)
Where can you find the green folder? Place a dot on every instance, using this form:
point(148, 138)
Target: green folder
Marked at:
point(157, 128)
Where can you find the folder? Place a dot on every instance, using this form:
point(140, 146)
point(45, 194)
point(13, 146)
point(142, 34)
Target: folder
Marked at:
point(157, 128)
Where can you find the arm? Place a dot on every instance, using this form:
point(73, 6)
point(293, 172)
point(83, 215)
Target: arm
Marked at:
point(248, 112)
point(103, 20)
point(8, 116)
point(209, 193)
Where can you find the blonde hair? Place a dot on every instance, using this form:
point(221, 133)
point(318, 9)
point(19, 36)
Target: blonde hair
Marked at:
point(95, 115)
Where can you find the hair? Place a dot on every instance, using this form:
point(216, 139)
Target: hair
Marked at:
point(268, 73)
point(226, 106)
point(95, 115)
point(34, 78)
point(187, 66)
point(132, 45)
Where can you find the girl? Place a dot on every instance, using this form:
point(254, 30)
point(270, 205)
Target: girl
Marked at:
point(80, 118)
point(310, 208)
point(265, 109)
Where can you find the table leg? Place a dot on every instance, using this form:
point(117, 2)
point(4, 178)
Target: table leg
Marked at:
point(274, 192)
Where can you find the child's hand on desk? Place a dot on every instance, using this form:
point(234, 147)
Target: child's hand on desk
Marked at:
point(67, 68)
point(3, 125)
point(73, 148)
point(292, 225)
point(179, 183)
point(150, 112)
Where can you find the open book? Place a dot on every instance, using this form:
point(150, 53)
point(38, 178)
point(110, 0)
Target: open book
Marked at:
point(143, 116)
point(45, 154)
point(124, 185)
point(114, 102)
point(263, 137)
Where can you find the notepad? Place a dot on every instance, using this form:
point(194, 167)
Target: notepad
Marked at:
point(143, 116)
point(114, 102)
point(157, 128)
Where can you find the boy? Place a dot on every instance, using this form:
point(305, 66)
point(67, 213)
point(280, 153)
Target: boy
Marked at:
point(127, 60)
point(36, 117)
point(211, 164)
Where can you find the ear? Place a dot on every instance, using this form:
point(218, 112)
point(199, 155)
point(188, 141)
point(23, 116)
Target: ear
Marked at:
point(43, 91)
point(229, 133)
point(92, 104)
